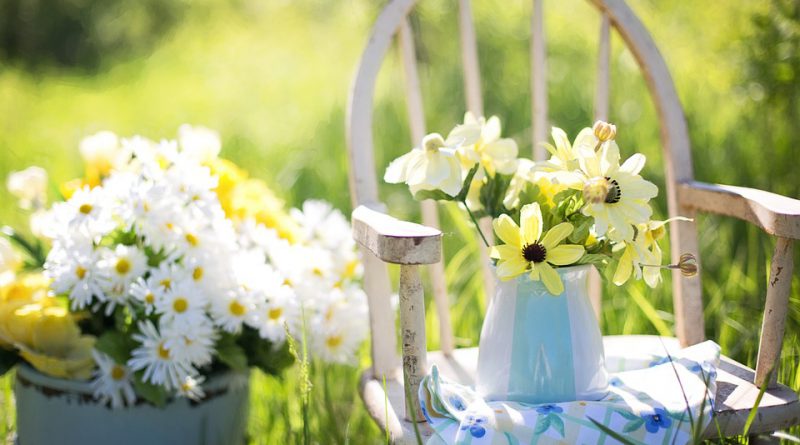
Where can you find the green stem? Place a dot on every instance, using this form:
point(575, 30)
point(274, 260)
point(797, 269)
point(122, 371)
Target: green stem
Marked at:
point(475, 221)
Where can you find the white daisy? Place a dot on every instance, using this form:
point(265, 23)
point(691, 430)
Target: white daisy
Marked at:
point(112, 382)
point(191, 343)
point(182, 303)
point(144, 292)
point(191, 388)
point(272, 314)
point(232, 309)
point(160, 365)
point(87, 212)
point(121, 267)
point(74, 272)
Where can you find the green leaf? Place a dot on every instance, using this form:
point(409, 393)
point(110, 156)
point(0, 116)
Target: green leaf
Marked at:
point(34, 250)
point(116, 345)
point(597, 259)
point(581, 225)
point(492, 194)
point(557, 423)
point(542, 424)
point(154, 394)
point(628, 415)
point(437, 195)
point(8, 358)
point(611, 432)
point(462, 195)
point(263, 354)
point(231, 353)
point(633, 425)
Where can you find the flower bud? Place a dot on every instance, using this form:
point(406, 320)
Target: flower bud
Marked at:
point(658, 232)
point(604, 131)
point(29, 186)
point(688, 265)
point(433, 142)
point(595, 190)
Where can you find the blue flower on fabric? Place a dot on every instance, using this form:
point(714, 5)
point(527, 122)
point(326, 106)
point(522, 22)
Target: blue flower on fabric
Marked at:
point(474, 425)
point(614, 381)
point(659, 361)
point(457, 403)
point(425, 413)
point(547, 409)
point(658, 419)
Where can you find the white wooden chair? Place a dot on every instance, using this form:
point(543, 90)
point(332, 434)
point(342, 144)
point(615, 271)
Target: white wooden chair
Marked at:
point(387, 240)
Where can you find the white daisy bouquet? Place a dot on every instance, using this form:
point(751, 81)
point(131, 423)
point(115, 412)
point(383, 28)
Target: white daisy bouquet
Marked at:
point(166, 264)
point(582, 206)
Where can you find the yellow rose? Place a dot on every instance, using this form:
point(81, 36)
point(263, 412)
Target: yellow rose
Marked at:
point(76, 363)
point(55, 331)
point(253, 199)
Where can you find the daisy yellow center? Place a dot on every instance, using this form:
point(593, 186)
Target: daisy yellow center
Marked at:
point(166, 283)
point(333, 341)
point(150, 298)
point(287, 282)
point(197, 273)
point(317, 271)
point(186, 387)
point(85, 209)
point(614, 192)
point(117, 373)
point(236, 308)
point(163, 352)
point(80, 272)
point(534, 253)
point(275, 313)
point(180, 305)
point(191, 239)
point(123, 266)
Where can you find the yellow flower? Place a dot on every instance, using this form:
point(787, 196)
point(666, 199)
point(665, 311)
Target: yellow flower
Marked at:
point(527, 173)
point(527, 248)
point(253, 199)
point(626, 193)
point(642, 255)
point(43, 330)
point(480, 142)
point(433, 165)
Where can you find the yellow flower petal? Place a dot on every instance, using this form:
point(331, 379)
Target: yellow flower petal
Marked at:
point(556, 235)
point(504, 252)
point(507, 230)
point(531, 223)
point(511, 268)
point(625, 266)
point(550, 279)
point(565, 254)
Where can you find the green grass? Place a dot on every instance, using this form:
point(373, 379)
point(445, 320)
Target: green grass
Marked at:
point(273, 78)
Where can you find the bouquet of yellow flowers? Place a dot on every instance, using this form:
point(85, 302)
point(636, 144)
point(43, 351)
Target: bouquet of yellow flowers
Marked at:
point(166, 264)
point(582, 206)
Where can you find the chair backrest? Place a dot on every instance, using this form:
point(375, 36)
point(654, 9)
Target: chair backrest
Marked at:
point(393, 21)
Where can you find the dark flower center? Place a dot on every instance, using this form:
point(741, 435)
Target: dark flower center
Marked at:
point(614, 192)
point(656, 418)
point(535, 253)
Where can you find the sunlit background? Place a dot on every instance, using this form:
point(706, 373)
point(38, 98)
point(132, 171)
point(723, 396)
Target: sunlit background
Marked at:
point(272, 77)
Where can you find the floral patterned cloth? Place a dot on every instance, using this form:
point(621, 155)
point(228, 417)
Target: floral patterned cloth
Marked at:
point(656, 405)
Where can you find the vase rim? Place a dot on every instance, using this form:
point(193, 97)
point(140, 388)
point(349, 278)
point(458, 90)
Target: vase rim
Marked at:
point(35, 377)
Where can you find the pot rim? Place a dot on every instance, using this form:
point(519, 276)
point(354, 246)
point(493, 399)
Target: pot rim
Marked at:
point(30, 375)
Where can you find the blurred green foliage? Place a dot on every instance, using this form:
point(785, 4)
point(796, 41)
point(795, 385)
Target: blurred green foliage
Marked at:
point(273, 78)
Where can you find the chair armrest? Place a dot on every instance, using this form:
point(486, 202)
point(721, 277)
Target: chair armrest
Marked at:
point(778, 215)
point(395, 241)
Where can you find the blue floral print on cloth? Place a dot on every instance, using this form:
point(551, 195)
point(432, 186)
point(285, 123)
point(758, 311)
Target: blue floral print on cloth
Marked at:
point(654, 405)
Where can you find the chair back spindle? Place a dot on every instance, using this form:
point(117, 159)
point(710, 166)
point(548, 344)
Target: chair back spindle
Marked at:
point(430, 214)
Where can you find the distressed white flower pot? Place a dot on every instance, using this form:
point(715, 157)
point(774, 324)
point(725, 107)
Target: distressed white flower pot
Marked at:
point(540, 348)
point(58, 411)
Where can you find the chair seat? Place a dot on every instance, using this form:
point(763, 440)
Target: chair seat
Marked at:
point(736, 394)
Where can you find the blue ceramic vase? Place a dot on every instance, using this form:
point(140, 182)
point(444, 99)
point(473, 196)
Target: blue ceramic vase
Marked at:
point(58, 411)
point(539, 348)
